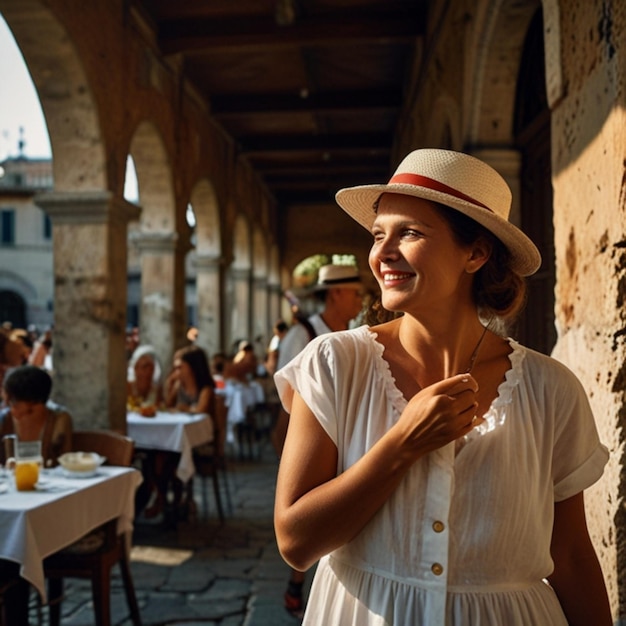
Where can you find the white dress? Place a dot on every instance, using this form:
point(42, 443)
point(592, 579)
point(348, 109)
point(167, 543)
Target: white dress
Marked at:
point(465, 539)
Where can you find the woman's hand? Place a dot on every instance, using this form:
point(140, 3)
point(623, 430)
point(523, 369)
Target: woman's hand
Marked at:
point(439, 414)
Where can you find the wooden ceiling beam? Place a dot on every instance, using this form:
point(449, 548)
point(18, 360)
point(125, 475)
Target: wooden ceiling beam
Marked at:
point(230, 107)
point(252, 145)
point(276, 171)
point(262, 33)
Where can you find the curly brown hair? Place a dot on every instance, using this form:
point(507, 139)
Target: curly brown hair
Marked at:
point(497, 289)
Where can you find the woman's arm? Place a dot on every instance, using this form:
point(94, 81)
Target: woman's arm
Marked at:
point(577, 578)
point(317, 511)
point(204, 403)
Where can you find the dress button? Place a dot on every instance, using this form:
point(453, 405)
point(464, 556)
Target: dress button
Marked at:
point(438, 526)
point(437, 569)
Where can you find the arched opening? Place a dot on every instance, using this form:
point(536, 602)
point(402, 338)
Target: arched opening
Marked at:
point(536, 326)
point(12, 309)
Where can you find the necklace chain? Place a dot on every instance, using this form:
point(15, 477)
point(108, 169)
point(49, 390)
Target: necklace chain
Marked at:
point(474, 355)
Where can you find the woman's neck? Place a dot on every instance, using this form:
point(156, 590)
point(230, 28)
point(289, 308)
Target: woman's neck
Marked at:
point(442, 349)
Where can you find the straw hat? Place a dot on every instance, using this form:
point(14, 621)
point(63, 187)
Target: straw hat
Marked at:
point(346, 276)
point(459, 181)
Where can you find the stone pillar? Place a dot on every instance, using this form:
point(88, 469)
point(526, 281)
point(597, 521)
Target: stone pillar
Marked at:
point(90, 252)
point(260, 325)
point(274, 302)
point(240, 313)
point(208, 290)
point(162, 318)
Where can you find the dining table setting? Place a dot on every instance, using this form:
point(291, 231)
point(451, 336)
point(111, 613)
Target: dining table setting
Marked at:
point(171, 431)
point(62, 506)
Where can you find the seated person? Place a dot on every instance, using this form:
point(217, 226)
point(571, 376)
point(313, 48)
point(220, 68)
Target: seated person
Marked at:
point(190, 386)
point(26, 391)
point(144, 391)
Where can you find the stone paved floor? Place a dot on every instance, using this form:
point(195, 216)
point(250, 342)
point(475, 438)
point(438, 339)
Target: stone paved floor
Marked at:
point(204, 572)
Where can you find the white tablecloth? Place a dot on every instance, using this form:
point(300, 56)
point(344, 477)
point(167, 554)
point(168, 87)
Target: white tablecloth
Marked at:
point(174, 432)
point(35, 524)
point(240, 398)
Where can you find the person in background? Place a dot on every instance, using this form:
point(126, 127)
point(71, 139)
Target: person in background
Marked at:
point(26, 390)
point(243, 367)
point(10, 354)
point(41, 356)
point(189, 388)
point(273, 349)
point(434, 467)
point(28, 415)
point(144, 394)
point(340, 289)
point(22, 336)
point(144, 390)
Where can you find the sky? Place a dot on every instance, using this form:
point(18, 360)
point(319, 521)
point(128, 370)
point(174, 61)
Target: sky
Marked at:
point(19, 104)
point(20, 108)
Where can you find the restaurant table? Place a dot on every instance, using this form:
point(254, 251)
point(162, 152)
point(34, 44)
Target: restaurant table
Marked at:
point(36, 524)
point(172, 432)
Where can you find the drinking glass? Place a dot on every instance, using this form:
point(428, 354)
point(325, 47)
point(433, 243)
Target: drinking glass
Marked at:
point(28, 463)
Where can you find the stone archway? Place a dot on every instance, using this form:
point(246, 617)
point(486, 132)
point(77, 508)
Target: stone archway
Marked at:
point(88, 221)
point(240, 282)
point(208, 262)
point(161, 248)
point(493, 85)
point(12, 308)
point(260, 325)
point(63, 88)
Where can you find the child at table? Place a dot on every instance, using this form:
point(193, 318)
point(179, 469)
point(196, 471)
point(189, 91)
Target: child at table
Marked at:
point(26, 391)
point(30, 415)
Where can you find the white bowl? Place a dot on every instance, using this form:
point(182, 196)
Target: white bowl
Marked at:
point(81, 462)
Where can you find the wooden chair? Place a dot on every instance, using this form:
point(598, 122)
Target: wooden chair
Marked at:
point(210, 461)
point(94, 555)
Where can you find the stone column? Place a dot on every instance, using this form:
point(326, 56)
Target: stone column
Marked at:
point(162, 318)
point(90, 252)
point(260, 324)
point(208, 290)
point(240, 313)
point(274, 308)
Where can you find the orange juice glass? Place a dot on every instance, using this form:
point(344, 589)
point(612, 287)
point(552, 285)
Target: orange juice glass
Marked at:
point(28, 462)
point(26, 474)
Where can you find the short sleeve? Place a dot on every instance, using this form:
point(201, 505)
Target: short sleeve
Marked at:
point(311, 375)
point(579, 457)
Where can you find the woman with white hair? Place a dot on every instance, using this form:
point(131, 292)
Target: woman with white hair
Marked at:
point(144, 390)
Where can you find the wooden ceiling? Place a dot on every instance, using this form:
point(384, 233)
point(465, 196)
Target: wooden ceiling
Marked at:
point(310, 90)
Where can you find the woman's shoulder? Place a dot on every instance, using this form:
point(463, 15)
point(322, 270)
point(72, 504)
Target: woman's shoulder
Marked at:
point(543, 369)
point(355, 338)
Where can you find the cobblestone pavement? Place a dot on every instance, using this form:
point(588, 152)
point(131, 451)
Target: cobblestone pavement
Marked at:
point(203, 572)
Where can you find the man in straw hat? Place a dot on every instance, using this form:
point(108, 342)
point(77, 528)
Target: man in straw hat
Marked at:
point(435, 468)
point(340, 289)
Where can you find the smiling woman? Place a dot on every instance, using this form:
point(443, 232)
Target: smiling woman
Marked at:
point(416, 519)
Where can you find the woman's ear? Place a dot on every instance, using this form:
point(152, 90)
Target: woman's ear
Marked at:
point(479, 254)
